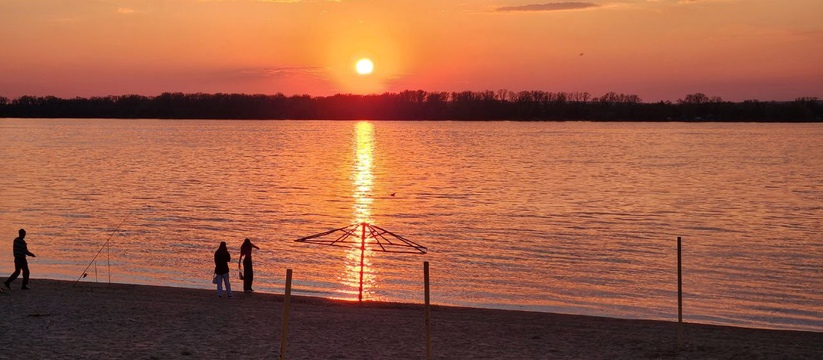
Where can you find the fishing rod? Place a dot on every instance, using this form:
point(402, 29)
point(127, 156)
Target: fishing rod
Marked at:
point(100, 251)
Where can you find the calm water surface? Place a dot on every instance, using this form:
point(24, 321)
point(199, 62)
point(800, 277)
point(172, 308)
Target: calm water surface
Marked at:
point(562, 217)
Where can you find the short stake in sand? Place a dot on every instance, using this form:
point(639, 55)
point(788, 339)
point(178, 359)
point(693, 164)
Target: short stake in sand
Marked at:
point(428, 310)
point(286, 301)
point(679, 298)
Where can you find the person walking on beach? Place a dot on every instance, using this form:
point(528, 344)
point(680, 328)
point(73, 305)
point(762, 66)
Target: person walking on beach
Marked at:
point(248, 269)
point(221, 269)
point(21, 250)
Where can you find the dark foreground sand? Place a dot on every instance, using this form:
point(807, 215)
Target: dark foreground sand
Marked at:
point(117, 321)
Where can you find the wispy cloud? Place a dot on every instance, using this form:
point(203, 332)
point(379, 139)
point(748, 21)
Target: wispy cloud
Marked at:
point(276, 1)
point(281, 71)
point(125, 11)
point(559, 6)
point(688, 2)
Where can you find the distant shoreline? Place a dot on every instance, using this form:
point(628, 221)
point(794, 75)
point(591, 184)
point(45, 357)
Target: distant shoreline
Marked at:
point(97, 320)
point(416, 105)
point(437, 120)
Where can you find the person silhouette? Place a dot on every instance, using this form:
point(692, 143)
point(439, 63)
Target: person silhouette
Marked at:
point(21, 250)
point(248, 269)
point(221, 269)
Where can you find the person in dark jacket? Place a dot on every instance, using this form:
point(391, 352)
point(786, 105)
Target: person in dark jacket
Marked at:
point(21, 250)
point(221, 269)
point(248, 269)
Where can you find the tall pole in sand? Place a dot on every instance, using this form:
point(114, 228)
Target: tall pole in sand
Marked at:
point(286, 302)
point(428, 310)
point(362, 256)
point(679, 297)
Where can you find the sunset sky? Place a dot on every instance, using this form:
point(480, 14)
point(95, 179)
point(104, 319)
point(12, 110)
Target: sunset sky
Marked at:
point(657, 49)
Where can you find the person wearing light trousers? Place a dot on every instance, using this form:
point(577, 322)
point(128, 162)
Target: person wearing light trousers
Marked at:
point(221, 269)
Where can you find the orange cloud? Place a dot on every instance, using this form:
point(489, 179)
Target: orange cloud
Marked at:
point(549, 7)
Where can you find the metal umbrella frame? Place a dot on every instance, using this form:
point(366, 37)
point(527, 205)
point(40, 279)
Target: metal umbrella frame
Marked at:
point(386, 241)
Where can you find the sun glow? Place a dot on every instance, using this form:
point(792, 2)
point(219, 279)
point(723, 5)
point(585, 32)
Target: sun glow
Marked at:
point(349, 51)
point(364, 66)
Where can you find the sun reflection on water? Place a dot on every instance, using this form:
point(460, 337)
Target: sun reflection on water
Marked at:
point(362, 176)
point(362, 181)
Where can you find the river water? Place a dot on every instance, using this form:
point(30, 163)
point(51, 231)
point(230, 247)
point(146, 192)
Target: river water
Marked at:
point(569, 217)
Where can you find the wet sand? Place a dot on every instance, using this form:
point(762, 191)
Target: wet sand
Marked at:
point(117, 321)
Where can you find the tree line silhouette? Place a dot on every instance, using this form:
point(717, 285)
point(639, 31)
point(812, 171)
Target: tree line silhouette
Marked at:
point(416, 105)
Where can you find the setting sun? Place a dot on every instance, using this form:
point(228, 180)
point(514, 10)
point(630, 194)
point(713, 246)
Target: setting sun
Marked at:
point(364, 66)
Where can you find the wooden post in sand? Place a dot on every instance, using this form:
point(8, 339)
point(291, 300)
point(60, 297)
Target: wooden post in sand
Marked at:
point(362, 256)
point(286, 298)
point(428, 310)
point(679, 297)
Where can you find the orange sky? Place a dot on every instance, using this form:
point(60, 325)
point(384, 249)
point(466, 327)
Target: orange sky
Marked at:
point(657, 49)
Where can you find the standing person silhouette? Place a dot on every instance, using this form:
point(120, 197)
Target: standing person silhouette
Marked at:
point(21, 250)
point(221, 269)
point(248, 269)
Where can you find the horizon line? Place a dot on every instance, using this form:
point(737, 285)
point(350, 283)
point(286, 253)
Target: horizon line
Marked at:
point(496, 95)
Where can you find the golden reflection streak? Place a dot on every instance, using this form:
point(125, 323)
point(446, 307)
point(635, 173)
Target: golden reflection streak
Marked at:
point(363, 178)
point(363, 181)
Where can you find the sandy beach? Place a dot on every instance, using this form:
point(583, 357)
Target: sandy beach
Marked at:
point(118, 321)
